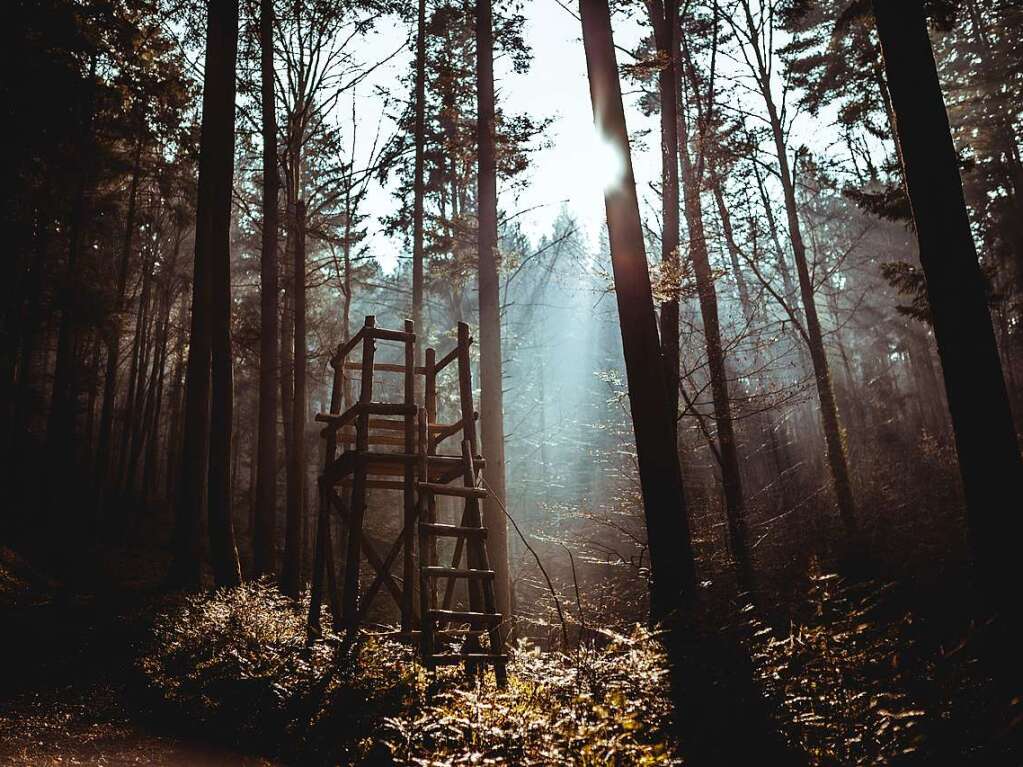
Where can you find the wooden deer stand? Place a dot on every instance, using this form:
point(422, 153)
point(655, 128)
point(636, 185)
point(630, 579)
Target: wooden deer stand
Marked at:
point(394, 447)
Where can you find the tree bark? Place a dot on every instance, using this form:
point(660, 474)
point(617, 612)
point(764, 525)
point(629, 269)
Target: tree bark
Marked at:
point(291, 576)
point(210, 341)
point(60, 427)
point(106, 420)
point(664, 20)
point(830, 422)
point(264, 538)
point(671, 556)
point(728, 455)
point(419, 186)
point(491, 379)
point(135, 408)
point(989, 455)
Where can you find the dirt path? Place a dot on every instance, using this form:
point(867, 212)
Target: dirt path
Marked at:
point(70, 696)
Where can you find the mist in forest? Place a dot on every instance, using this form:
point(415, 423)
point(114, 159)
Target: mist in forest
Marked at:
point(509, 382)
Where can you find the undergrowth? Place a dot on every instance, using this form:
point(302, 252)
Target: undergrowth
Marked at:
point(236, 663)
point(861, 680)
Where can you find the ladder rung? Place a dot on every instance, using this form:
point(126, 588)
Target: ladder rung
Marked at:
point(448, 428)
point(451, 531)
point(447, 634)
point(376, 484)
point(441, 431)
point(383, 423)
point(386, 367)
point(388, 408)
point(391, 463)
point(459, 491)
point(348, 436)
point(460, 615)
point(454, 572)
point(382, 334)
point(458, 633)
point(337, 420)
point(452, 659)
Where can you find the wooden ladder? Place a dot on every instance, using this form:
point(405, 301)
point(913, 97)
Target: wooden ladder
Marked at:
point(469, 536)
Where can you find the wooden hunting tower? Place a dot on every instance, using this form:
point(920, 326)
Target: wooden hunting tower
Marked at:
point(396, 448)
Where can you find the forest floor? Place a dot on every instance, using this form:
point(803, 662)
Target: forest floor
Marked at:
point(68, 688)
point(104, 669)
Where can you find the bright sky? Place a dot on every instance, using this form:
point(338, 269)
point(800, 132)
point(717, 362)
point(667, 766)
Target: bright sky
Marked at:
point(573, 167)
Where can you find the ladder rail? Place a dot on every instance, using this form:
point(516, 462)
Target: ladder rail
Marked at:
point(409, 490)
point(350, 598)
point(477, 573)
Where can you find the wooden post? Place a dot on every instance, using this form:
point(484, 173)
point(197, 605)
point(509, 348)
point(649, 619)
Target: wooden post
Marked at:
point(431, 501)
point(478, 560)
point(324, 552)
point(427, 596)
point(350, 599)
point(465, 387)
point(469, 436)
point(409, 491)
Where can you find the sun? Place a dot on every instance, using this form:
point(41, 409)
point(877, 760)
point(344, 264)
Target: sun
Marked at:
point(604, 164)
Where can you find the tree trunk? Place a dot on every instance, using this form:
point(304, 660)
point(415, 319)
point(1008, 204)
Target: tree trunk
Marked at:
point(29, 340)
point(419, 187)
point(135, 409)
point(223, 551)
point(728, 455)
point(264, 538)
point(664, 20)
point(671, 556)
point(830, 423)
point(989, 456)
point(291, 576)
point(491, 379)
point(745, 301)
point(106, 420)
point(150, 470)
point(204, 457)
point(60, 427)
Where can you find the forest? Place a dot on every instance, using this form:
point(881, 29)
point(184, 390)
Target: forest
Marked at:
point(528, 382)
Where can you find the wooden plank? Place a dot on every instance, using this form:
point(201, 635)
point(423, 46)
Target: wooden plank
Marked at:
point(409, 574)
point(382, 334)
point(337, 420)
point(452, 531)
point(445, 428)
point(464, 616)
point(386, 367)
point(367, 545)
point(348, 437)
point(452, 572)
point(350, 600)
point(427, 597)
point(376, 484)
point(450, 357)
point(455, 659)
point(386, 425)
point(365, 408)
point(428, 544)
point(346, 347)
point(457, 491)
